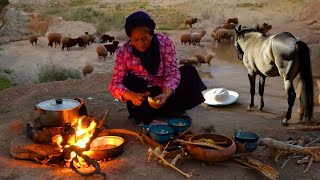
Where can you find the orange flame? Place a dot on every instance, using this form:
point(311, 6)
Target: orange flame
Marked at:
point(83, 135)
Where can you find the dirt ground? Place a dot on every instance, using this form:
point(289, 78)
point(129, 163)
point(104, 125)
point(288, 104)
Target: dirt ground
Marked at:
point(16, 103)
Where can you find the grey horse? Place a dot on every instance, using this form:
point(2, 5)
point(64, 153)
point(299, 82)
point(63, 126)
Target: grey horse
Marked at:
point(282, 55)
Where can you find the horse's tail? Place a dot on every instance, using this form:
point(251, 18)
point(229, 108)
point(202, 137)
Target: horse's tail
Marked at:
point(306, 79)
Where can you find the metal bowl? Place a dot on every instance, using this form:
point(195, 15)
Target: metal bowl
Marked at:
point(105, 147)
point(210, 154)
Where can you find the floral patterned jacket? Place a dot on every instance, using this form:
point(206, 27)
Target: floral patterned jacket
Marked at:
point(167, 76)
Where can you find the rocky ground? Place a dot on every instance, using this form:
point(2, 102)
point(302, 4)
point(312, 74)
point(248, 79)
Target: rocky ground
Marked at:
point(16, 103)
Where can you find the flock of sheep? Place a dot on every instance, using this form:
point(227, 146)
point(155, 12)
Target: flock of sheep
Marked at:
point(82, 41)
point(223, 32)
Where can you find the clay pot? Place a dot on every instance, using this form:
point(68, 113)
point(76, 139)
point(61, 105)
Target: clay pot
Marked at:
point(209, 154)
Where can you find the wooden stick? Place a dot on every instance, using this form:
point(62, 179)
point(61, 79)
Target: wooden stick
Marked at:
point(201, 144)
point(309, 165)
point(304, 127)
point(183, 133)
point(294, 155)
point(265, 169)
point(165, 162)
point(271, 143)
point(122, 131)
point(105, 116)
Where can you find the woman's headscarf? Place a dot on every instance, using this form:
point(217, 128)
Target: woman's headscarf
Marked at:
point(150, 59)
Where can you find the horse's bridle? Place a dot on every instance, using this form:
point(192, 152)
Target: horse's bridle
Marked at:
point(239, 50)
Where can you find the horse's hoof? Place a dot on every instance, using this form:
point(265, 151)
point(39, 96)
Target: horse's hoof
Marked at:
point(284, 122)
point(249, 109)
point(260, 108)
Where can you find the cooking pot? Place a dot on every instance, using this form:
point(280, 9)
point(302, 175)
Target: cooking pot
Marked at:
point(57, 112)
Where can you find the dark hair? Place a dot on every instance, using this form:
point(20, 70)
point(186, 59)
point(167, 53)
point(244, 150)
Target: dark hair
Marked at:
point(139, 19)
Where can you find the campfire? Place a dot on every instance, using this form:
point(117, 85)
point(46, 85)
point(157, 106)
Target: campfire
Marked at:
point(65, 135)
point(73, 142)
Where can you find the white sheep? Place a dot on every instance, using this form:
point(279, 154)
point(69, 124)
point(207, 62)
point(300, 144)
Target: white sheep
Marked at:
point(196, 38)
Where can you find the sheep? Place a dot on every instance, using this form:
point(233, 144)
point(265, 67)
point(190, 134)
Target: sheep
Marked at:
point(203, 32)
point(223, 34)
point(72, 42)
point(106, 38)
point(200, 58)
point(85, 39)
point(87, 69)
point(228, 26)
point(112, 47)
point(185, 38)
point(265, 28)
point(54, 38)
point(190, 21)
point(217, 28)
point(196, 38)
point(191, 60)
point(209, 57)
point(91, 38)
point(102, 51)
point(64, 41)
point(232, 20)
point(33, 39)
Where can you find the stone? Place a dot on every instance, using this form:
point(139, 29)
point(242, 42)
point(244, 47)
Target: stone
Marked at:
point(22, 147)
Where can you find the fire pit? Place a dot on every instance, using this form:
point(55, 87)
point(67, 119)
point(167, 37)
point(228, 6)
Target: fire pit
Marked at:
point(63, 134)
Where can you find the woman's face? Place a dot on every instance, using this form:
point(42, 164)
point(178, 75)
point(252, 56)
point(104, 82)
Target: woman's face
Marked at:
point(140, 38)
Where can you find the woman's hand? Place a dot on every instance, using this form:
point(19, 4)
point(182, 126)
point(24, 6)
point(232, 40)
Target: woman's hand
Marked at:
point(162, 98)
point(136, 98)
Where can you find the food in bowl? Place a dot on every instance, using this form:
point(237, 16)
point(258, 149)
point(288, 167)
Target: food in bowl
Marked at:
point(179, 124)
point(161, 133)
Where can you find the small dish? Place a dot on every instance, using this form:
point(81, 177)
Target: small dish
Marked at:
point(161, 133)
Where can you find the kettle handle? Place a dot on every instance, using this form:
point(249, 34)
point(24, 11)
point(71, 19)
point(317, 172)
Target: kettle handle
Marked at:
point(80, 100)
point(38, 109)
point(82, 107)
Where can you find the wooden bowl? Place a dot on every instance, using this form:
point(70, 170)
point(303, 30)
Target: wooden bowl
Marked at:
point(210, 154)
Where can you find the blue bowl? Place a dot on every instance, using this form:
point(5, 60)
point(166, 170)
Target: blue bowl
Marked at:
point(161, 133)
point(246, 141)
point(179, 125)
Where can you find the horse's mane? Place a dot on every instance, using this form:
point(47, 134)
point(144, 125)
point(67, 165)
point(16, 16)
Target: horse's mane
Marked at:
point(257, 29)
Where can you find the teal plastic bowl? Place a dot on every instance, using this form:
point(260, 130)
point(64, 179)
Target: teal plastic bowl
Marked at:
point(161, 133)
point(179, 124)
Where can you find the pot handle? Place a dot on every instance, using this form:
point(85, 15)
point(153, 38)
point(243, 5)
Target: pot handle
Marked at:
point(38, 109)
point(82, 107)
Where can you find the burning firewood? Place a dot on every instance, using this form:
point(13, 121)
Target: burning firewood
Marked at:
point(160, 155)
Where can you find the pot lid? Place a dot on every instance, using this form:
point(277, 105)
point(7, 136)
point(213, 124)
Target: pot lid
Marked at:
point(58, 104)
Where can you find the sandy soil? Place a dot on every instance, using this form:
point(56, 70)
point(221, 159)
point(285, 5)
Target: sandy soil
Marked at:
point(16, 103)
